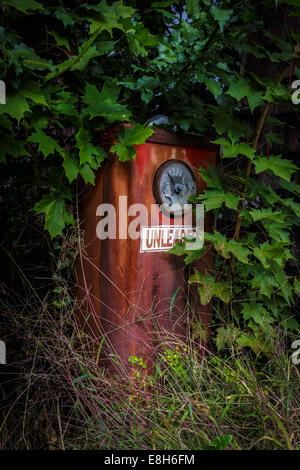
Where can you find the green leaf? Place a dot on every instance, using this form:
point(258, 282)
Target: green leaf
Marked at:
point(214, 87)
point(16, 106)
point(267, 252)
point(276, 93)
point(24, 5)
point(242, 88)
point(104, 47)
point(87, 174)
point(60, 40)
point(87, 151)
point(47, 145)
point(292, 205)
point(65, 17)
point(239, 251)
point(136, 135)
point(263, 191)
point(291, 187)
point(213, 199)
point(249, 48)
point(71, 166)
point(258, 343)
point(38, 64)
point(65, 104)
point(212, 177)
point(91, 53)
point(255, 99)
point(125, 153)
point(193, 9)
point(207, 287)
point(219, 241)
point(289, 323)
point(221, 15)
point(140, 39)
point(279, 166)
point(22, 56)
point(194, 255)
point(297, 286)
point(232, 125)
point(104, 103)
point(178, 249)
point(255, 311)
point(56, 216)
point(263, 280)
point(272, 138)
point(80, 60)
point(33, 91)
point(224, 247)
point(11, 146)
point(230, 150)
point(109, 17)
point(282, 282)
point(278, 231)
point(269, 214)
point(273, 121)
point(6, 124)
point(239, 88)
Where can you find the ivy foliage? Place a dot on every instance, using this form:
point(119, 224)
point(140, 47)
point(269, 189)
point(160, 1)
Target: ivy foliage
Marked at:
point(74, 68)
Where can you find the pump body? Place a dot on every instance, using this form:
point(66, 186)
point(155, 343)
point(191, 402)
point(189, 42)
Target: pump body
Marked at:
point(139, 299)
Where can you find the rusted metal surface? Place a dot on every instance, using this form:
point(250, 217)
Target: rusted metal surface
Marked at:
point(126, 294)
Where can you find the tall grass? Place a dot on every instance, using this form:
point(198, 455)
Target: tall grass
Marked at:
point(56, 396)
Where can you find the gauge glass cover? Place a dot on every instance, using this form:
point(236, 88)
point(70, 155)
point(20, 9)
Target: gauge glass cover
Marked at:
point(173, 184)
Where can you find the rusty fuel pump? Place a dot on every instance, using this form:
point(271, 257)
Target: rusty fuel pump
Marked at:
point(133, 295)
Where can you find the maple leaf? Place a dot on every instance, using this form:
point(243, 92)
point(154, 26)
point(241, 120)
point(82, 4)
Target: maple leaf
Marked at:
point(215, 198)
point(207, 287)
point(16, 106)
point(279, 166)
point(256, 311)
point(47, 145)
point(135, 135)
point(56, 215)
point(87, 151)
point(108, 17)
point(104, 103)
point(242, 88)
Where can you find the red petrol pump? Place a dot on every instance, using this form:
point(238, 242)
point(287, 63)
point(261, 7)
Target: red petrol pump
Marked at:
point(133, 294)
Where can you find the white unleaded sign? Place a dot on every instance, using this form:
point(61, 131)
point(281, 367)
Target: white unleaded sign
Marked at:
point(164, 237)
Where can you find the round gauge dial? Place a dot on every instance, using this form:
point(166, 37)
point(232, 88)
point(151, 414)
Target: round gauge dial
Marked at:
point(173, 184)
